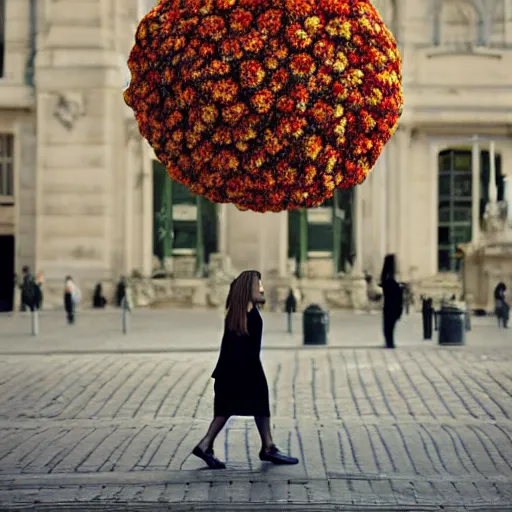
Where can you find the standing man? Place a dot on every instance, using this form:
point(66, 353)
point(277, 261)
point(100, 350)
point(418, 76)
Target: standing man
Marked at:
point(240, 384)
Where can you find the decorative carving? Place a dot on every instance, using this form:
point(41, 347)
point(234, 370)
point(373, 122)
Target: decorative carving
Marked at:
point(69, 107)
point(458, 24)
point(495, 217)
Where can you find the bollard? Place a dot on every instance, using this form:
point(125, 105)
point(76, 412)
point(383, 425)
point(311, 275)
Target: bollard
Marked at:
point(289, 318)
point(124, 309)
point(427, 314)
point(34, 316)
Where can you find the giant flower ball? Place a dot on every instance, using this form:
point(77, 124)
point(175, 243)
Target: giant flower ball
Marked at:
point(267, 104)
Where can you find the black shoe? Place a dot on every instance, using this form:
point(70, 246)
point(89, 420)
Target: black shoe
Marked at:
point(276, 457)
point(209, 458)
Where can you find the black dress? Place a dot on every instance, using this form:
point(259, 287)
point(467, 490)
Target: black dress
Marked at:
point(393, 304)
point(240, 384)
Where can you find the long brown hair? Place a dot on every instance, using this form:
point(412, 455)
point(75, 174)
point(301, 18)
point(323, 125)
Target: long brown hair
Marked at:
point(241, 293)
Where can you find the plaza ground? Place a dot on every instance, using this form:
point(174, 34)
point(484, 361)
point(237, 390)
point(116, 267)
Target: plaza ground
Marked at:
point(91, 419)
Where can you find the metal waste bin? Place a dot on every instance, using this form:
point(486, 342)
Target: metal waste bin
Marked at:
point(315, 325)
point(451, 323)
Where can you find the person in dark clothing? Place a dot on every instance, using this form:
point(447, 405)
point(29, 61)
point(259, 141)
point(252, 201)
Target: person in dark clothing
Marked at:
point(291, 307)
point(120, 291)
point(393, 299)
point(70, 299)
point(30, 291)
point(502, 307)
point(98, 300)
point(240, 384)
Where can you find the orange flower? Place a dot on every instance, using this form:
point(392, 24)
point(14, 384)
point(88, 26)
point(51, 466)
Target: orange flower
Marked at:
point(234, 113)
point(225, 91)
point(240, 20)
point(262, 101)
point(251, 74)
point(300, 7)
point(302, 65)
point(269, 22)
point(212, 27)
point(230, 49)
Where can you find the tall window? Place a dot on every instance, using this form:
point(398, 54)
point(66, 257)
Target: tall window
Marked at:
point(456, 199)
point(455, 206)
point(2, 37)
point(6, 168)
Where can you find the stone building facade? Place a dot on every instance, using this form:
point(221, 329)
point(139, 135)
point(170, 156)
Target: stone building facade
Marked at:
point(82, 194)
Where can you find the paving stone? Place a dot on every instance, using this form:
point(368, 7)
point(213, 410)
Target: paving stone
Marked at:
point(420, 426)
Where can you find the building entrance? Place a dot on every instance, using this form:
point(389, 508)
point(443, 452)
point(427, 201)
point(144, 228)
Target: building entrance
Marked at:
point(6, 273)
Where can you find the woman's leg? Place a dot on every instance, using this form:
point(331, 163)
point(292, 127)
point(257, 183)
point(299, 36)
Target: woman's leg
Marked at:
point(265, 431)
point(217, 424)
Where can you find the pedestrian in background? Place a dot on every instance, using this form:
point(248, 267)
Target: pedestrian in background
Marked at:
point(71, 298)
point(501, 305)
point(240, 384)
point(290, 308)
point(393, 299)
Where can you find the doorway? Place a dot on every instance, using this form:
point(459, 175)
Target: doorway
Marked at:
point(6, 273)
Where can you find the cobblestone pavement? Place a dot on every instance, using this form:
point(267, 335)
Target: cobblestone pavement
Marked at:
point(391, 428)
point(412, 429)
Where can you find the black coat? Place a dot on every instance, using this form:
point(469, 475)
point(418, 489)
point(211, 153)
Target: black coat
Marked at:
point(240, 384)
point(393, 299)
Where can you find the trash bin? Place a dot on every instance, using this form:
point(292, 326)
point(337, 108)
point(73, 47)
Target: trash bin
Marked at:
point(315, 325)
point(451, 324)
point(427, 314)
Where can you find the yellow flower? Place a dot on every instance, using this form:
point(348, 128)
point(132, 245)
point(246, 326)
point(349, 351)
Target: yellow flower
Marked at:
point(355, 77)
point(340, 28)
point(341, 62)
point(313, 24)
point(209, 114)
point(330, 164)
point(340, 127)
point(339, 111)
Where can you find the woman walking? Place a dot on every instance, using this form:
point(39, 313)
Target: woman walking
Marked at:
point(240, 384)
point(393, 299)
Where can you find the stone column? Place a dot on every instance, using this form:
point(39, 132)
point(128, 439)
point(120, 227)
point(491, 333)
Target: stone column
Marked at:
point(80, 145)
point(392, 197)
point(434, 198)
point(223, 229)
point(383, 220)
point(508, 22)
point(283, 244)
point(357, 269)
point(507, 196)
point(475, 169)
point(493, 192)
point(147, 208)
point(405, 225)
point(129, 182)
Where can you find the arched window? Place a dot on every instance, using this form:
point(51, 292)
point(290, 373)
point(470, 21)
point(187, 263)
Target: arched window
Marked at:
point(458, 24)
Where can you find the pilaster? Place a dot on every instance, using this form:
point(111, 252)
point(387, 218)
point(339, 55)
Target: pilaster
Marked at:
point(81, 144)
